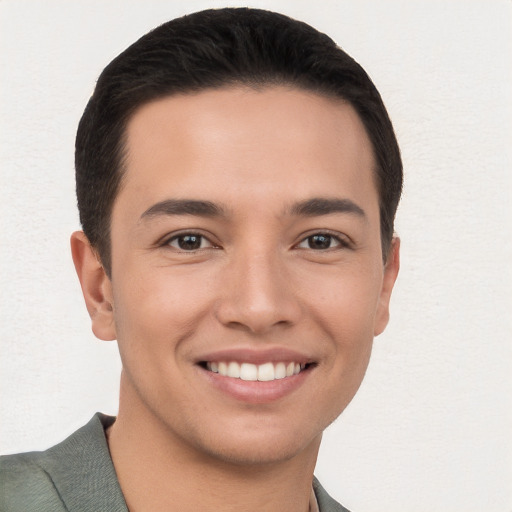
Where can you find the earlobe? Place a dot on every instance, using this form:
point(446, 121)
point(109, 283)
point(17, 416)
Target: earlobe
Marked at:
point(96, 287)
point(390, 274)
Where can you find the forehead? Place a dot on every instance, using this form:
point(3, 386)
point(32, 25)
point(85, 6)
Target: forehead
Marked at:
point(257, 140)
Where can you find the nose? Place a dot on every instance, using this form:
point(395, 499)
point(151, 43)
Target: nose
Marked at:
point(257, 294)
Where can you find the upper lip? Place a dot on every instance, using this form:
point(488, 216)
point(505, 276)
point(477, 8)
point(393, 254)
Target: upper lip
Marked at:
point(256, 356)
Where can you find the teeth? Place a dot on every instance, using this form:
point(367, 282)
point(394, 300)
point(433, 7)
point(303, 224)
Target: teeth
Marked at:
point(248, 371)
point(234, 370)
point(266, 372)
point(263, 372)
point(223, 369)
point(280, 371)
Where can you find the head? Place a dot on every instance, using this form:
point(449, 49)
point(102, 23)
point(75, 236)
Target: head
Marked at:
point(209, 50)
point(237, 180)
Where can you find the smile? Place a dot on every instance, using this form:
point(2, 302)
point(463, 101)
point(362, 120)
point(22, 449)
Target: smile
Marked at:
point(255, 372)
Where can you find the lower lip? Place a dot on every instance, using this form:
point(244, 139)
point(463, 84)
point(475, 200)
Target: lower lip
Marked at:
point(256, 392)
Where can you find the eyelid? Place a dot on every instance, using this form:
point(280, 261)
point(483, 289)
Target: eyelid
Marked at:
point(344, 241)
point(165, 240)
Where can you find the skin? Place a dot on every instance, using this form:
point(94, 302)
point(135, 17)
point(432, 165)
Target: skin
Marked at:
point(257, 282)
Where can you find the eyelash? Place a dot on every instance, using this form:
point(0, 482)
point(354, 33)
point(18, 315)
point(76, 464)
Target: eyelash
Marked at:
point(190, 234)
point(340, 242)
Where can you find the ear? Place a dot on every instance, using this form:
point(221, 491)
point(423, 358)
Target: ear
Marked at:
point(96, 287)
point(390, 274)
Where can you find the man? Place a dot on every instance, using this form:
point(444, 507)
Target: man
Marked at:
point(237, 181)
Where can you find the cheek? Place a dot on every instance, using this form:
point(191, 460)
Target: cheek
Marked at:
point(346, 312)
point(154, 313)
point(347, 305)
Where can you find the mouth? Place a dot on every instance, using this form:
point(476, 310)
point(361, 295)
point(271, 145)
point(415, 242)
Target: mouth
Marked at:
point(254, 376)
point(265, 372)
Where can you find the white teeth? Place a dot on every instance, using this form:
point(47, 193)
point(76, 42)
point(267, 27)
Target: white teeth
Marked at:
point(234, 370)
point(248, 371)
point(280, 371)
point(263, 372)
point(266, 372)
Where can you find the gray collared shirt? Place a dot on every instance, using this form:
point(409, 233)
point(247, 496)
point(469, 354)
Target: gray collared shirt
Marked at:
point(77, 475)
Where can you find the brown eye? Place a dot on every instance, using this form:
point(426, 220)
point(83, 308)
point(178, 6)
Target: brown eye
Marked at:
point(189, 242)
point(320, 242)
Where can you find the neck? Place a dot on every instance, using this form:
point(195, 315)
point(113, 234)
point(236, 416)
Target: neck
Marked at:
point(158, 471)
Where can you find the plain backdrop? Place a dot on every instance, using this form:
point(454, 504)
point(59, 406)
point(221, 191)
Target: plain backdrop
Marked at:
point(431, 427)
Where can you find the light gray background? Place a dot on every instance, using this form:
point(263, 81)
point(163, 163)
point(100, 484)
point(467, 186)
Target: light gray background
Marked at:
point(431, 428)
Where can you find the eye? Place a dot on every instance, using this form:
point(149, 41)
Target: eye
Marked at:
point(189, 242)
point(321, 242)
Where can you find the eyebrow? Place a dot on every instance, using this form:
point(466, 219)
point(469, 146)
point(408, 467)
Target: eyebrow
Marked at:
point(308, 208)
point(184, 207)
point(325, 206)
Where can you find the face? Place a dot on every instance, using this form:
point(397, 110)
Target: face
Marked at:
point(247, 276)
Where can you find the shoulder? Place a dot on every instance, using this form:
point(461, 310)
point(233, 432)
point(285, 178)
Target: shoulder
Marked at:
point(75, 475)
point(26, 486)
point(325, 502)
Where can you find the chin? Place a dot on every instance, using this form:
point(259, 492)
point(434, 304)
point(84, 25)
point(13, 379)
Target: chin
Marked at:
point(260, 453)
point(258, 444)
